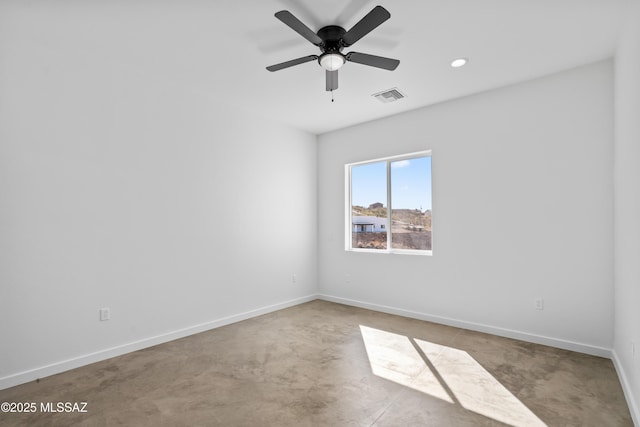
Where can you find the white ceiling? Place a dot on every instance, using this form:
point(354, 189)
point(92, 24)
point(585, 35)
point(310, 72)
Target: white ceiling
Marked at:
point(220, 48)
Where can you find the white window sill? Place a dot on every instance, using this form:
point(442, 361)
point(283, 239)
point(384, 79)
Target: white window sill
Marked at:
point(392, 252)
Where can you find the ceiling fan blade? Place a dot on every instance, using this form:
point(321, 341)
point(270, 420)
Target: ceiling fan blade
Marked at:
point(373, 61)
point(297, 26)
point(371, 20)
point(332, 80)
point(291, 63)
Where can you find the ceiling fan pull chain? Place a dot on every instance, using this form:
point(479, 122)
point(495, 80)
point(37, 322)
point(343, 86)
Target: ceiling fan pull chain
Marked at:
point(331, 95)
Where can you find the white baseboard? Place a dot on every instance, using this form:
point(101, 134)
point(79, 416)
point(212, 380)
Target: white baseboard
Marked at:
point(626, 387)
point(494, 330)
point(76, 362)
point(65, 365)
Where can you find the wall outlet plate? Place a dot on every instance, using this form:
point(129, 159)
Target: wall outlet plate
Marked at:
point(105, 314)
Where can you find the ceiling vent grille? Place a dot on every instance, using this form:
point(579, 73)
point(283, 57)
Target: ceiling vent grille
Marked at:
point(389, 95)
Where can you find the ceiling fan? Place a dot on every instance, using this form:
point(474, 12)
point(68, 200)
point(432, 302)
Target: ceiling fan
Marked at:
point(332, 39)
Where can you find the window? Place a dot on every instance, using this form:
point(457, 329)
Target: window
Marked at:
point(389, 204)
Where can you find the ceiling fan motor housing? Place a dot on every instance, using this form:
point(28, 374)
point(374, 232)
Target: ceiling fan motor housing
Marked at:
point(331, 36)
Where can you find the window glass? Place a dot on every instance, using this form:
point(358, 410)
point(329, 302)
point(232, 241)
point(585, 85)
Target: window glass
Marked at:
point(368, 206)
point(411, 203)
point(390, 204)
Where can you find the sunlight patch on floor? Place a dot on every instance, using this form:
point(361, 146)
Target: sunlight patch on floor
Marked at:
point(446, 373)
point(394, 358)
point(475, 388)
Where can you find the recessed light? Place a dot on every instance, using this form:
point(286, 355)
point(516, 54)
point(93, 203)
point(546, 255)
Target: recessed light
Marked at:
point(458, 62)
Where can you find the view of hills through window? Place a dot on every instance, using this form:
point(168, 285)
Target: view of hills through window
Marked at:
point(403, 184)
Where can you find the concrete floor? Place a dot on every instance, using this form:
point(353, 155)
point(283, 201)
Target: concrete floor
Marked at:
point(325, 364)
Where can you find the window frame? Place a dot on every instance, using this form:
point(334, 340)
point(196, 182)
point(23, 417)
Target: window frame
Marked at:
point(349, 210)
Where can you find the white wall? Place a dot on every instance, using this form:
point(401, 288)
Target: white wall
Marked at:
point(627, 209)
point(522, 208)
point(121, 188)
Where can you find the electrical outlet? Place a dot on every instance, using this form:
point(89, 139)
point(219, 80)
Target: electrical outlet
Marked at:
point(294, 278)
point(538, 303)
point(347, 278)
point(633, 350)
point(105, 314)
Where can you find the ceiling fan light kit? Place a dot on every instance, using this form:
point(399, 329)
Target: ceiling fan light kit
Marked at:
point(332, 61)
point(332, 39)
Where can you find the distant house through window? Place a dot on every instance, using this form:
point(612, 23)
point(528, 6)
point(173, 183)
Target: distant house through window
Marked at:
point(368, 224)
point(389, 204)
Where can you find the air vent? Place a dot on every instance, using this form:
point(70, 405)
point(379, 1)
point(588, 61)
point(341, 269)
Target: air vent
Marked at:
point(389, 95)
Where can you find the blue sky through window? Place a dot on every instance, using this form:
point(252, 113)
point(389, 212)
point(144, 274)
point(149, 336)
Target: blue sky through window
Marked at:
point(410, 184)
point(369, 184)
